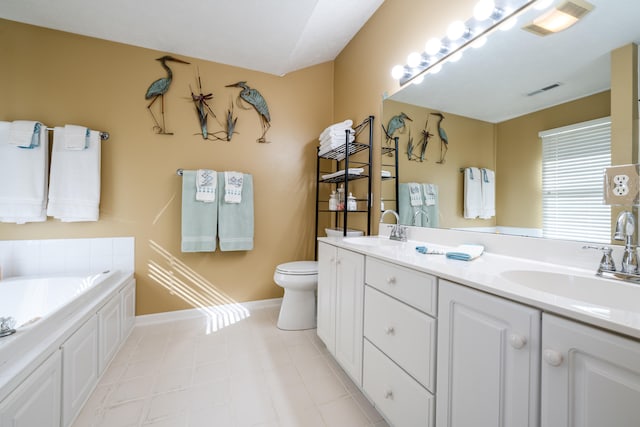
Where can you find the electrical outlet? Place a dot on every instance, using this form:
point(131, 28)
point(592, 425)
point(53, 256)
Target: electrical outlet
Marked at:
point(621, 190)
point(621, 179)
point(622, 185)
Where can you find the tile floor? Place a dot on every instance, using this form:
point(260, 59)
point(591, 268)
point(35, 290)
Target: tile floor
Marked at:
point(246, 374)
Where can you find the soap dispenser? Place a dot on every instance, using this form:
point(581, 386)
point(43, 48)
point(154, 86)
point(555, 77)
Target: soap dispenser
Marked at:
point(352, 205)
point(333, 201)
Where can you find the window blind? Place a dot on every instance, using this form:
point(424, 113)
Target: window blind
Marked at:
point(573, 161)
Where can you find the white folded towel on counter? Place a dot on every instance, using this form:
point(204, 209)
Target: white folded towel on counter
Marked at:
point(465, 252)
point(23, 177)
point(233, 187)
point(24, 133)
point(74, 191)
point(352, 171)
point(206, 183)
point(75, 137)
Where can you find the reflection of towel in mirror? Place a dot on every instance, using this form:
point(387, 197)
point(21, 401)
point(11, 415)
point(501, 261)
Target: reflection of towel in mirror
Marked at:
point(430, 194)
point(415, 194)
point(472, 193)
point(488, 208)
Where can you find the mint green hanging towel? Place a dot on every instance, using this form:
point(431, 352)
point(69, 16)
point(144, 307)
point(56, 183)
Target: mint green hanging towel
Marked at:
point(199, 219)
point(235, 220)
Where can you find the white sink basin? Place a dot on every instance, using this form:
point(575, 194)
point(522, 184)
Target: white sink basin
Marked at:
point(591, 290)
point(372, 241)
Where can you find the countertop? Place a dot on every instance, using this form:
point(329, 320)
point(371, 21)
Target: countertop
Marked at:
point(616, 307)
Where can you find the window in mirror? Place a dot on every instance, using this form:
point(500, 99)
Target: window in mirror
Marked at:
point(573, 159)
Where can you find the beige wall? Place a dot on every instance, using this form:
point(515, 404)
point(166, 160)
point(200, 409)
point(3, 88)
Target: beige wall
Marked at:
point(59, 78)
point(471, 144)
point(519, 157)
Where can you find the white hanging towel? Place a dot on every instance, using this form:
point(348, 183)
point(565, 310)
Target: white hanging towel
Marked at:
point(415, 194)
point(206, 184)
point(23, 176)
point(23, 133)
point(76, 137)
point(430, 194)
point(488, 185)
point(74, 191)
point(233, 187)
point(472, 193)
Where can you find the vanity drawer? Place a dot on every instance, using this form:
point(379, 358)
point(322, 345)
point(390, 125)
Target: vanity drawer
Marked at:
point(403, 333)
point(394, 393)
point(415, 288)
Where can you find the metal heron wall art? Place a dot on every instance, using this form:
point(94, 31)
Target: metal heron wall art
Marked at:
point(157, 90)
point(444, 140)
point(256, 100)
point(395, 123)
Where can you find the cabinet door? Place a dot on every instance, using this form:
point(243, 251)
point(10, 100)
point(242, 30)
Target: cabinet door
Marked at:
point(326, 324)
point(590, 378)
point(36, 401)
point(488, 360)
point(79, 369)
point(349, 312)
point(128, 303)
point(109, 317)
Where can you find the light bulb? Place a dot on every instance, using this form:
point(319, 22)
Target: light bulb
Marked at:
point(397, 72)
point(456, 30)
point(508, 24)
point(455, 57)
point(418, 79)
point(483, 9)
point(433, 46)
point(479, 42)
point(413, 60)
point(436, 69)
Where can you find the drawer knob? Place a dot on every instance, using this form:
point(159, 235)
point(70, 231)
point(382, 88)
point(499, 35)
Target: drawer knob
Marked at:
point(391, 280)
point(388, 394)
point(552, 357)
point(390, 330)
point(517, 341)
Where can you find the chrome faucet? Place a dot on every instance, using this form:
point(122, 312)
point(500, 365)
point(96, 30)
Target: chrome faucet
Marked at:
point(6, 326)
point(625, 230)
point(415, 215)
point(398, 232)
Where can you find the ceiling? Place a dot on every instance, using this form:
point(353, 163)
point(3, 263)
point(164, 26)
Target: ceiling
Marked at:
point(491, 83)
point(272, 36)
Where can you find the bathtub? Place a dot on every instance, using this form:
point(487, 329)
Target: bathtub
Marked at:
point(47, 310)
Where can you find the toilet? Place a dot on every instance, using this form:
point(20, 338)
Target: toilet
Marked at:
point(299, 280)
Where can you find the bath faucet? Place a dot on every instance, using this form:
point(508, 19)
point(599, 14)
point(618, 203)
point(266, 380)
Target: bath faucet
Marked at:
point(398, 232)
point(625, 230)
point(606, 263)
point(415, 215)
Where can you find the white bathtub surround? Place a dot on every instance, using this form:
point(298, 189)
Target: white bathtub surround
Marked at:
point(178, 373)
point(65, 256)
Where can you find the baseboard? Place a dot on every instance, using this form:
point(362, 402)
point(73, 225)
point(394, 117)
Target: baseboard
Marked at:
point(194, 313)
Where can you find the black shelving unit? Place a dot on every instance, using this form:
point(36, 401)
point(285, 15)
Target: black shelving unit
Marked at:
point(385, 151)
point(343, 157)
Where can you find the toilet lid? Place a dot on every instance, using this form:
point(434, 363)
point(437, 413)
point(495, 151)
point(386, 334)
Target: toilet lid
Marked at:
point(298, 267)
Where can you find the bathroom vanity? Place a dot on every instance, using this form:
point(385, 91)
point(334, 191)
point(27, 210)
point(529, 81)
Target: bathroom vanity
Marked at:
point(495, 341)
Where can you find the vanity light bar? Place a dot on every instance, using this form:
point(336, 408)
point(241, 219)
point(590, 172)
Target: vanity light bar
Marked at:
point(475, 29)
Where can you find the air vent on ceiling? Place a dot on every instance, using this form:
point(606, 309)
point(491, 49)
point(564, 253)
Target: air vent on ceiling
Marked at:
point(559, 18)
point(544, 89)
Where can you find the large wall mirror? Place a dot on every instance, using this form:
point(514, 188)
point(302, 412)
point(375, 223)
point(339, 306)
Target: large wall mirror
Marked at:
point(496, 100)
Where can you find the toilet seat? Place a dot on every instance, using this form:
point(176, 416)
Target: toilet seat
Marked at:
point(298, 268)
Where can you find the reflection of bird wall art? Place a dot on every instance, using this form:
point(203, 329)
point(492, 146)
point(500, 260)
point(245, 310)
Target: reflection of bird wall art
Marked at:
point(202, 108)
point(395, 123)
point(256, 100)
point(444, 140)
point(158, 89)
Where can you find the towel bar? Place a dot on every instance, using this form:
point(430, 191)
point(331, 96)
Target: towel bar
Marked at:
point(179, 172)
point(103, 135)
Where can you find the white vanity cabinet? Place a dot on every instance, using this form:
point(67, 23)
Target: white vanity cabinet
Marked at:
point(590, 378)
point(35, 402)
point(110, 329)
point(488, 360)
point(340, 305)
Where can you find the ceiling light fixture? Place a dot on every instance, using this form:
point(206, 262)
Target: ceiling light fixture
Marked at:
point(559, 18)
point(488, 15)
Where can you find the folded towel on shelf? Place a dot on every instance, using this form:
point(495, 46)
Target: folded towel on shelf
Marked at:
point(233, 182)
point(430, 194)
point(415, 194)
point(25, 133)
point(235, 220)
point(466, 252)
point(472, 193)
point(206, 185)
point(74, 191)
point(352, 171)
point(335, 141)
point(336, 127)
point(199, 220)
point(488, 187)
point(76, 137)
point(23, 178)
point(385, 174)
